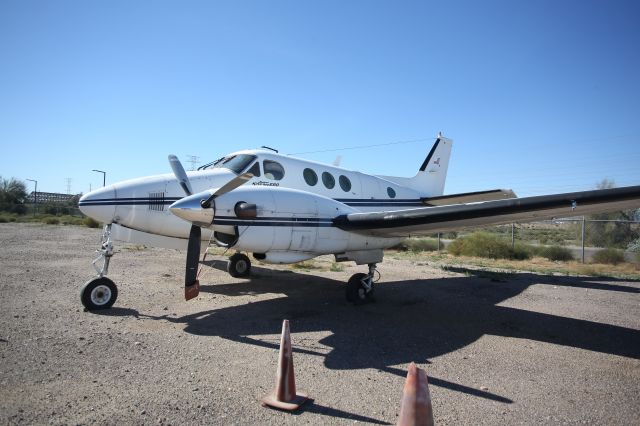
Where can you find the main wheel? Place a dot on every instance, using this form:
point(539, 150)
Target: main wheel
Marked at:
point(239, 266)
point(99, 293)
point(356, 292)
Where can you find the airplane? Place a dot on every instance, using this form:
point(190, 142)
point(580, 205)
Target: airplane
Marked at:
point(286, 210)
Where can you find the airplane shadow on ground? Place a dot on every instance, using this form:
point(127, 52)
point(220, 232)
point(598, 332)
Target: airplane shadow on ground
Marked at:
point(412, 320)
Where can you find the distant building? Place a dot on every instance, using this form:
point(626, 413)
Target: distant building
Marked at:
point(52, 197)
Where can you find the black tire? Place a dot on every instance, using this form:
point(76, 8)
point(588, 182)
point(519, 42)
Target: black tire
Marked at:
point(99, 293)
point(356, 292)
point(239, 266)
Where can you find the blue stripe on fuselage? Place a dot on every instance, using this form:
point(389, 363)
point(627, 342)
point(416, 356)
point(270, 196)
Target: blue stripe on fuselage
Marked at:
point(352, 202)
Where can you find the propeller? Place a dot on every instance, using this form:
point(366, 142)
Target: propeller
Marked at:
point(191, 209)
point(180, 174)
point(191, 283)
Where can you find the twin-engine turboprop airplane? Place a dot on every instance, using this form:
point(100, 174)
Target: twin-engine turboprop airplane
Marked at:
point(286, 210)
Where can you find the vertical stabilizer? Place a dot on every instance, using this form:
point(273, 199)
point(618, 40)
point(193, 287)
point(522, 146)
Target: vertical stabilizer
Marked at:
point(433, 172)
point(430, 179)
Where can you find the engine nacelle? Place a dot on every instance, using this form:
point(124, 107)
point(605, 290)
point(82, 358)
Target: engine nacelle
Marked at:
point(273, 219)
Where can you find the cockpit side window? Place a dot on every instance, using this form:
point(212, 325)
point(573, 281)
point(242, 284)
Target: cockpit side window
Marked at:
point(272, 170)
point(255, 169)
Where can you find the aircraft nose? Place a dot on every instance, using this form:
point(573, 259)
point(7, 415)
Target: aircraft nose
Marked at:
point(189, 209)
point(99, 204)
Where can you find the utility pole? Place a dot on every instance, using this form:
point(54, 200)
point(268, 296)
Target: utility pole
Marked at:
point(194, 160)
point(68, 180)
point(104, 176)
point(35, 196)
point(583, 232)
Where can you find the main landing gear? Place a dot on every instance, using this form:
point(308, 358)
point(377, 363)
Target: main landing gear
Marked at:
point(360, 287)
point(101, 292)
point(239, 266)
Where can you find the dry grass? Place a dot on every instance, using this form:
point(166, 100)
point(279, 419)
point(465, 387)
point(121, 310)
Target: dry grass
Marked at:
point(537, 265)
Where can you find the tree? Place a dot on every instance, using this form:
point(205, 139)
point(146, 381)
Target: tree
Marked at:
point(12, 195)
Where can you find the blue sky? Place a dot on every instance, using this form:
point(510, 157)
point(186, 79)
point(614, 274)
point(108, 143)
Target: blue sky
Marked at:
point(540, 96)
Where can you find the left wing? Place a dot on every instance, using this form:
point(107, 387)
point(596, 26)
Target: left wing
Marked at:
point(427, 220)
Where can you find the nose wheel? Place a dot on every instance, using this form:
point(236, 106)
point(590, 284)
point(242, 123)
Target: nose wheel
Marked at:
point(101, 292)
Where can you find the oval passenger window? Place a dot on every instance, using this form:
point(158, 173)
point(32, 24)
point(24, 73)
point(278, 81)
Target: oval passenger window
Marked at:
point(328, 180)
point(345, 183)
point(310, 177)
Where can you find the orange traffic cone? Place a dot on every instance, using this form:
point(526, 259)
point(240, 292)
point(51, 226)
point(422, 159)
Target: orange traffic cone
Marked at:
point(284, 396)
point(416, 407)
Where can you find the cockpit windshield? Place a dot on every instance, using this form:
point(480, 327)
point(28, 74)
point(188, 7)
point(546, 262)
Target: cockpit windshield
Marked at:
point(235, 163)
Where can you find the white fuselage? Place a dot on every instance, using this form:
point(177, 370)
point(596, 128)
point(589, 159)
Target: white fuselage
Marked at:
point(295, 209)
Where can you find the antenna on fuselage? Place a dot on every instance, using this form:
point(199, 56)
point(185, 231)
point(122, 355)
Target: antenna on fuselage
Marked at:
point(267, 147)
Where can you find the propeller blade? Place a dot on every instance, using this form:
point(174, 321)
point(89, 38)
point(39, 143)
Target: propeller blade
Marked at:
point(191, 284)
point(227, 187)
point(180, 174)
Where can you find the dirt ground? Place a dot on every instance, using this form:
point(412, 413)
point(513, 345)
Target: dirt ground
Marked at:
point(498, 348)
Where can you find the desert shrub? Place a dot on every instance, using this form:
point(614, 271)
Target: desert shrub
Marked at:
point(523, 251)
point(609, 256)
point(52, 221)
point(4, 219)
point(556, 253)
point(481, 244)
point(90, 222)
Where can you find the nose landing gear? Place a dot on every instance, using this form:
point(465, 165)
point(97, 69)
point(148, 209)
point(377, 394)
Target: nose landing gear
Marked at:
point(360, 287)
point(101, 292)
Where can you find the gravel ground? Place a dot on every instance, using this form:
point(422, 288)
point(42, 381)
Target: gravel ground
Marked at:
point(498, 349)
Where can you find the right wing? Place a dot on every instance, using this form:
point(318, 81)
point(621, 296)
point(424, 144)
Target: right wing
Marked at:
point(441, 218)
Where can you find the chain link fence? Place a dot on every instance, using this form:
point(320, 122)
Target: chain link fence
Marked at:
point(584, 237)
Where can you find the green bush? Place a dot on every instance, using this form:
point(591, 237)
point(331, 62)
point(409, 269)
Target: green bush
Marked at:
point(52, 221)
point(90, 222)
point(4, 219)
point(481, 244)
point(523, 251)
point(556, 253)
point(609, 256)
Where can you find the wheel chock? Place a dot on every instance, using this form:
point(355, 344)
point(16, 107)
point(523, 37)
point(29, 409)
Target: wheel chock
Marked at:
point(192, 291)
point(285, 396)
point(416, 409)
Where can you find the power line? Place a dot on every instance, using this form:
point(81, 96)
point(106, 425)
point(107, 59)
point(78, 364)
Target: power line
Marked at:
point(364, 146)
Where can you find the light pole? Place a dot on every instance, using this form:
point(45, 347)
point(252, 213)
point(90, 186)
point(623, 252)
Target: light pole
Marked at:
point(35, 196)
point(104, 176)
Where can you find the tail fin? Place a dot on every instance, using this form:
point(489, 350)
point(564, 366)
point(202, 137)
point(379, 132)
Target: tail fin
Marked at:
point(430, 179)
point(433, 172)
